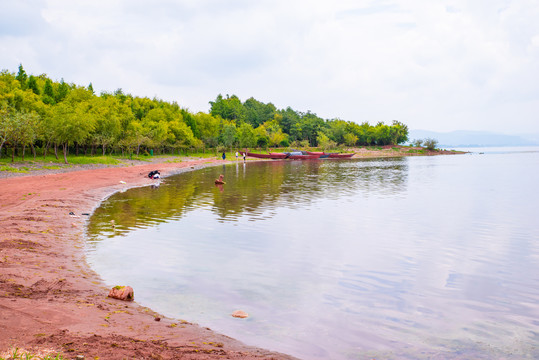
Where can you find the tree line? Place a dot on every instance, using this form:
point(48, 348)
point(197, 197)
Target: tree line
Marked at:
point(42, 115)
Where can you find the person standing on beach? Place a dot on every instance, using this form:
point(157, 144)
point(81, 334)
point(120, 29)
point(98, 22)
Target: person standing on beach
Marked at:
point(243, 157)
point(237, 156)
point(224, 156)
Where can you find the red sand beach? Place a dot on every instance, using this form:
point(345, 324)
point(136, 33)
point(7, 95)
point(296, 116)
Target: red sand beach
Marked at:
point(50, 300)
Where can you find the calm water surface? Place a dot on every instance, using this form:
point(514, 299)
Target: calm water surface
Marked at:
point(415, 257)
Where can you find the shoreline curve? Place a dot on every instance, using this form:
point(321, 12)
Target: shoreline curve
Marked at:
point(50, 299)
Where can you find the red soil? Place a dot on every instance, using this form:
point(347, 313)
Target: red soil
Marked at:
point(50, 299)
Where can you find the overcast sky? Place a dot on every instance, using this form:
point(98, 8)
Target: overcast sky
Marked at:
point(434, 65)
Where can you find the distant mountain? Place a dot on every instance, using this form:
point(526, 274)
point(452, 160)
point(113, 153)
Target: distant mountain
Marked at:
point(463, 138)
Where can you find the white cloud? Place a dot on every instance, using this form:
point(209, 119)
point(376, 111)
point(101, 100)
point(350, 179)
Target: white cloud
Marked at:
point(434, 65)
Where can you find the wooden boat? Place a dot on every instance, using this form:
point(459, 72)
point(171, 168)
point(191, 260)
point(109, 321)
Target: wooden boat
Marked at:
point(268, 156)
point(340, 155)
point(331, 155)
point(304, 157)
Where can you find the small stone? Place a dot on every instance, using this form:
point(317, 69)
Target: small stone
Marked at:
point(157, 319)
point(240, 314)
point(122, 293)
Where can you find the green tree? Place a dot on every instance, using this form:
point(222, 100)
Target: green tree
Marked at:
point(246, 136)
point(257, 113)
point(399, 132)
point(208, 127)
point(32, 85)
point(324, 141)
point(350, 139)
point(63, 90)
point(22, 77)
point(228, 133)
point(4, 125)
point(230, 108)
point(48, 93)
point(72, 120)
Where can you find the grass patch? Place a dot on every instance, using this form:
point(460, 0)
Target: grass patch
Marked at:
point(13, 169)
point(82, 160)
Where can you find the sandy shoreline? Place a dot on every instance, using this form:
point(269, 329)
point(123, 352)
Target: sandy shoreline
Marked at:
point(49, 297)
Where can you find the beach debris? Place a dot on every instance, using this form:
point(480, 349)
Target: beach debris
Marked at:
point(72, 214)
point(113, 224)
point(122, 182)
point(240, 314)
point(124, 293)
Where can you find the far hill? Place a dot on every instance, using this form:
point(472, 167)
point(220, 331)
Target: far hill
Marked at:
point(463, 138)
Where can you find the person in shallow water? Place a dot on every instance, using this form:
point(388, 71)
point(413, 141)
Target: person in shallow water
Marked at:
point(220, 181)
point(154, 174)
point(224, 156)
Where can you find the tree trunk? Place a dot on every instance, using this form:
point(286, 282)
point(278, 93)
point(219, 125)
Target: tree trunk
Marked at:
point(65, 153)
point(45, 149)
point(13, 154)
point(104, 149)
point(56, 151)
point(23, 150)
point(138, 149)
point(33, 151)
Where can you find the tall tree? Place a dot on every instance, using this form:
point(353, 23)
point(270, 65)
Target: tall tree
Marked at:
point(32, 85)
point(63, 90)
point(48, 93)
point(22, 77)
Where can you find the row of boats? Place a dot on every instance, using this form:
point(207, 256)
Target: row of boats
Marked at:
point(301, 155)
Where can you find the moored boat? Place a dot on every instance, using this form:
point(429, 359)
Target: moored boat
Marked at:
point(268, 156)
point(331, 155)
point(304, 157)
point(340, 155)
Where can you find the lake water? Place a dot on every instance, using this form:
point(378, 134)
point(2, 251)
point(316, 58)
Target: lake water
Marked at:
point(400, 258)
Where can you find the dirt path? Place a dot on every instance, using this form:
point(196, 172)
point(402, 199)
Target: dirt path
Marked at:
point(50, 299)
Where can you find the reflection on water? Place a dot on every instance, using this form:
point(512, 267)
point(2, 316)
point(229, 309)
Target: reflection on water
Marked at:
point(250, 191)
point(396, 258)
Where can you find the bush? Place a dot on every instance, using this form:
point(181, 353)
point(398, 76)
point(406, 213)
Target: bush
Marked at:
point(430, 144)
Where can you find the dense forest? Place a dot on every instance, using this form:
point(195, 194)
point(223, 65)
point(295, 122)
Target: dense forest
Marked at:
point(42, 115)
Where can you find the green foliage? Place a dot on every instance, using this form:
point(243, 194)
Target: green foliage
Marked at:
point(32, 85)
point(22, 77)
point(430, 144)
point(230, 108)
point(36, 111)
